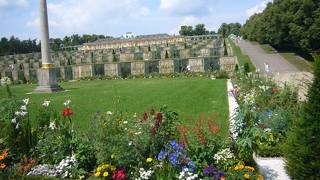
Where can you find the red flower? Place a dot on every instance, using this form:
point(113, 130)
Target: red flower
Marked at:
point(67, 112)
point(119, 174)
point(274, 90)
point(145, 116)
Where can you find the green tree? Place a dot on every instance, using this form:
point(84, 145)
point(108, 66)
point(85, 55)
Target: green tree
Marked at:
point(186, 31)
point(200, 30)
point(303, 145)
point(287, 25)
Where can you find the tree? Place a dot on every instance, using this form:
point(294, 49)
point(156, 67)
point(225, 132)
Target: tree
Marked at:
point(186, 31)
point(200, 30)
point(227, 29)
point(303, 145)
point(287, 25)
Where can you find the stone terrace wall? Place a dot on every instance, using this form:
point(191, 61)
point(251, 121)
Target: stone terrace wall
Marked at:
point(197, 56)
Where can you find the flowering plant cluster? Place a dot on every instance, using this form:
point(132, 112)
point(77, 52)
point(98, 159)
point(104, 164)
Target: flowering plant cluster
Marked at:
point(151, 146)
point(264, 115)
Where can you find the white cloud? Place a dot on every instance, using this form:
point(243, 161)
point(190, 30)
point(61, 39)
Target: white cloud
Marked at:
point(5, 3)
point(258, 8)
point(78, 15)
point(185, 7)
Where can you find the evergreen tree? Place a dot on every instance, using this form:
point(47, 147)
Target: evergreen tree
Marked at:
point(225, 48)
point(166, 55)
point(303, 147)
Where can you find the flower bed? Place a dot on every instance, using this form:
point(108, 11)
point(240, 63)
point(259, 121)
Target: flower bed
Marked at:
point(264, 115)
point(117, 146)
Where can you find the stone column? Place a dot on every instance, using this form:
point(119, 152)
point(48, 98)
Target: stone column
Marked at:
point(47, 77)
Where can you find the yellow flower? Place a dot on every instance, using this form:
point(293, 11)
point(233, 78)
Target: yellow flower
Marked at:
point(2, 157)
point(239, 167)
point(113, 168)
point(105, 174)
point(105, 166)
point(149, 160)
point(249, 168)
point(222, 178)
point(97, 174)
point(260, 177)
point(99, 169)
point(247, 176)
point(2, 166)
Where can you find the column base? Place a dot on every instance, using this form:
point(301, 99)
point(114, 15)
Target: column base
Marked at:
point(47, 81)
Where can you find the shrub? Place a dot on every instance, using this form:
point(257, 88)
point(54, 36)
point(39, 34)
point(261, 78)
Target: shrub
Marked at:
point(303, 147)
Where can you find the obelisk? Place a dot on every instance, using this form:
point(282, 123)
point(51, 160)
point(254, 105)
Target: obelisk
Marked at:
point(47, 78)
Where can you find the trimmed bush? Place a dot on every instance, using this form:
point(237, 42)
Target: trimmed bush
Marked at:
point(303, 147)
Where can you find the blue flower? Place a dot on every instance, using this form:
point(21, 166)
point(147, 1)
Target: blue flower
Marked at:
point(176, 146)
point(191, 165)
point(162, 155)
point(173, 159)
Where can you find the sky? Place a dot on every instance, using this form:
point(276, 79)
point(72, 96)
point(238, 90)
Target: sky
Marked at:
point(110, 17)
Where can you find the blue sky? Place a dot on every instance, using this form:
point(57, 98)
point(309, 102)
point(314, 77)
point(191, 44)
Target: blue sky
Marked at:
point(110, 17)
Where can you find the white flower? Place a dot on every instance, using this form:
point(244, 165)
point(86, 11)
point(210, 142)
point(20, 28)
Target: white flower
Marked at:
point(23, 108)
point(52, 125)
point(138, 133)
point(223, 155)
point(26, 101)
point(17, 113)
point(17, 126)
point(125, 122)
point(23, 113)
point(67, 102)
point(5, 81)
point(14, 120)
point(135, 115)
point(46, 103)
point(267, 130)
point(109, 113)
point(130, 143)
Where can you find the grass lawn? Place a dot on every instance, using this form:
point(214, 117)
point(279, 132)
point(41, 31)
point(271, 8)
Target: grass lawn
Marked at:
point(297, 61)
point(189, 97)
point(267, 48)
point(242, 59)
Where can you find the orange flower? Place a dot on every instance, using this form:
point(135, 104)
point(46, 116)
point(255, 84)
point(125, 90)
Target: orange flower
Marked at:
point(2, 166)
point(247, 176)
point(222, 178)
point(249, 168)
point(260, 177)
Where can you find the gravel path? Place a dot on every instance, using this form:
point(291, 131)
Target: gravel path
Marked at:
point(259, 57)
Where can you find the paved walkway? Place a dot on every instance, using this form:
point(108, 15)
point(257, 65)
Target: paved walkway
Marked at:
point(259, 57)
point(282, 71)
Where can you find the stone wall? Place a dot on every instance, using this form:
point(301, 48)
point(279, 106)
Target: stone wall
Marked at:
point(198, 55)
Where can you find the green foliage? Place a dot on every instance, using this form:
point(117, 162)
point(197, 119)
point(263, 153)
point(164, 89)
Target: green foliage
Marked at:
point(16, 46)
point(287, 25)
point(199, 29)
point(227, 29)
point(264, 115)
point(166, 55)
point(53, 145)
point(303, 147)
point(225, 48)
point(246, 68)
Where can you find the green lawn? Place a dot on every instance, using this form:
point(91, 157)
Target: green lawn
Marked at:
point(242, 59)
point(189, 97)
point(297, 61)
point(267, 48)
